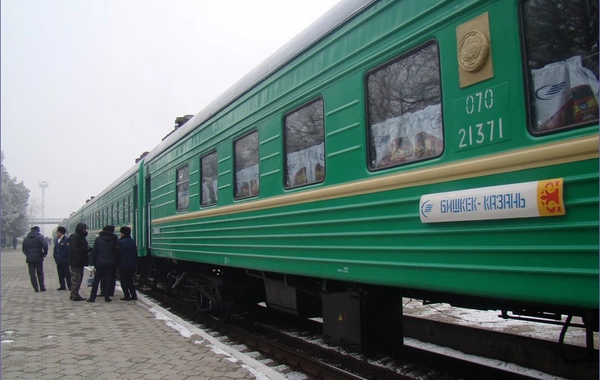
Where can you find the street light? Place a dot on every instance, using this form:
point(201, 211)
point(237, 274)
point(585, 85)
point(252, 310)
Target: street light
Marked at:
point(43, 185)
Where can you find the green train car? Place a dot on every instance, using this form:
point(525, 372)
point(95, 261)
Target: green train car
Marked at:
point(443, 150)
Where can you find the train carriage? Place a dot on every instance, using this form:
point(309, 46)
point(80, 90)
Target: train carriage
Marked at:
point(444, 150)
point(115, 205)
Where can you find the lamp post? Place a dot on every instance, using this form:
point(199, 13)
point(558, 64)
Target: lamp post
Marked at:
point(43, 185)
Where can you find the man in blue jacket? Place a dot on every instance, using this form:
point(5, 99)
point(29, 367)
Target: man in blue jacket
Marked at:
point(35, 249)
point(61, 256)
point(103, 258)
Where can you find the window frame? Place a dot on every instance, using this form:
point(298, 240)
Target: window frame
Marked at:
point(532, 126)
point(304, 105)
point(216, 193)
point(129, 209)
point(235, 171)
point(183, 206)
point(368, 133)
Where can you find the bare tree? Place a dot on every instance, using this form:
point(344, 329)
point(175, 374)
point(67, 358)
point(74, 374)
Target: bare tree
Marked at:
point(304, 127)
point(407, 85)
point(559, 29)
point(14, 204)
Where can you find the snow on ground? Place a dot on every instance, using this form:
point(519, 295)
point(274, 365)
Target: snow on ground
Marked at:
point(412, 307)
point(488, 319)
point(259, 370)
point(510, 367)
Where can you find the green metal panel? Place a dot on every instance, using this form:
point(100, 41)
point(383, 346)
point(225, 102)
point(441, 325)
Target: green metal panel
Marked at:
point(378, 238)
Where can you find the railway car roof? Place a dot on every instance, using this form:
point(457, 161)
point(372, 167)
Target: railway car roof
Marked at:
point(333, 18)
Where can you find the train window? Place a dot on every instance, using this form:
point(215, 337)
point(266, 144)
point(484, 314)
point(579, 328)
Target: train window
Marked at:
point(118, 214)
point(246, 166)
point(210, 174)
point(183, 188)
point(305, 145)
point(561, 50)
point(404, 110)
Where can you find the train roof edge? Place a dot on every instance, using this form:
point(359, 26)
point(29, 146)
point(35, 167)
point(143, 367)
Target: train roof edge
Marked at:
point(330, 20)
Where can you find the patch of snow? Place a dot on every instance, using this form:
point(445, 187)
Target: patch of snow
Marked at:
point(257, 369)
point(510, 367)
point(490, 320)
point(296, 376)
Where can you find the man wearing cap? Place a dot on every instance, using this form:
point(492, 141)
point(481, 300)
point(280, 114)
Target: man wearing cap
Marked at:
point(78, 258)
point(35, 249)
point(127, 263)
point(61, 257)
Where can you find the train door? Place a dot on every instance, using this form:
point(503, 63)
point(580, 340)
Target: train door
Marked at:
point(144, 224)
point(133, 216)
point(148, 218)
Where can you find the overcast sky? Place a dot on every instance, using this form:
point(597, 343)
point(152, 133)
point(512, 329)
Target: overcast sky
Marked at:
point(87, 86)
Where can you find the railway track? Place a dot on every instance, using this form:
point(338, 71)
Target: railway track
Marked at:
point(299, 351)
point(264, 344)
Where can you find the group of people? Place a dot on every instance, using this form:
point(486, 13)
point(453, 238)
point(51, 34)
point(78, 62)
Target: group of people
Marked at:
point(4, 242)
point(108, 254)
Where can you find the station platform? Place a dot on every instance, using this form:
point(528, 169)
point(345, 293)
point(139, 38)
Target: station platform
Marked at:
point(45, 335)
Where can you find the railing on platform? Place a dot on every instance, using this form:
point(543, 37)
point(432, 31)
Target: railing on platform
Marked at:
point(45, 221)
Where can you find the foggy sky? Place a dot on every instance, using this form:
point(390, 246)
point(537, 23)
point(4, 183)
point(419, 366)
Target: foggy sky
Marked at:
point(87, 86)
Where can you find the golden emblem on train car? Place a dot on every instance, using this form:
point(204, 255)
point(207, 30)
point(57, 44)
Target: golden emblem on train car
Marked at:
point(473, 51)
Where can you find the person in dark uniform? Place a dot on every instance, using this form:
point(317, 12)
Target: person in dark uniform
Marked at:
point(35, 249)
point(78, 258)
point(127, 263)
point(103, 258)
point(61, 257)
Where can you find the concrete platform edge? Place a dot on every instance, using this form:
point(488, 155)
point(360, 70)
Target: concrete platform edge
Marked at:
point(251, 363)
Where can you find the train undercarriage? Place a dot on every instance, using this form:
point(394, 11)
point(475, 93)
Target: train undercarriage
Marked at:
point(360, 317)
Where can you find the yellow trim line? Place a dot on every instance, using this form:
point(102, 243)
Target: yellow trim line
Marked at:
point(562, 152)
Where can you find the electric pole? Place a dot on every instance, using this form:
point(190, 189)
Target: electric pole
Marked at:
point(43, 185)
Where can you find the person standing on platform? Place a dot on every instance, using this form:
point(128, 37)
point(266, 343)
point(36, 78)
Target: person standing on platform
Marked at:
point(35, 249)
point(61, 256)
point(78, 258)
point(14, 241)
point(127, 263)
point(103, 258)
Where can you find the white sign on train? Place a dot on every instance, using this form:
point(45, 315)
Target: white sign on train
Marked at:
point(519, 200)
